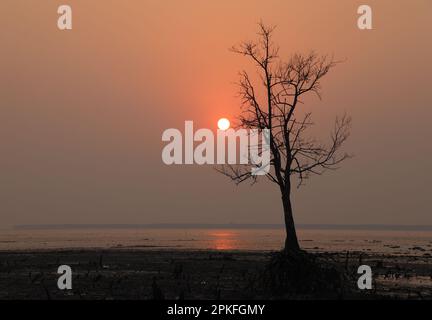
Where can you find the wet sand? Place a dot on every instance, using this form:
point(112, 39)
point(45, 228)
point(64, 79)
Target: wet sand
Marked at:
point(191, 274)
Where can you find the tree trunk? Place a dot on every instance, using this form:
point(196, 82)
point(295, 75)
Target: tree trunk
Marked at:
point(291, 242)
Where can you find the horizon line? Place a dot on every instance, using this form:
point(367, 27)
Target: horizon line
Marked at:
point(394, 227)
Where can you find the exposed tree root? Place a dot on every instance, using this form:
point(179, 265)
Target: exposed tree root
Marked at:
point(301, 275)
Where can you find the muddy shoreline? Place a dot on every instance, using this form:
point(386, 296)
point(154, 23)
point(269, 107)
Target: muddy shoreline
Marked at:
point(157, 273)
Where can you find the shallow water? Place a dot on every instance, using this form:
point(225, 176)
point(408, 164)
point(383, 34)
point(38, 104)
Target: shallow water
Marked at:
point(374, 241)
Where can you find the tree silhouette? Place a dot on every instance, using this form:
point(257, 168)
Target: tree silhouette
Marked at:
point(283, 86)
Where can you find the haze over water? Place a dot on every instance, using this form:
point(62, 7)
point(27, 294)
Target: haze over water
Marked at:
point(418, 242)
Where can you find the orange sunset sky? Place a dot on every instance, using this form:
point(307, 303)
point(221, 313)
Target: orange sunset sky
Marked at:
point(82, 111)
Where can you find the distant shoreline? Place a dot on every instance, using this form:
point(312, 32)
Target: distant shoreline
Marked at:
point(382, 227)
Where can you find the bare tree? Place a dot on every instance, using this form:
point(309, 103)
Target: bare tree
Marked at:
point(283, 86)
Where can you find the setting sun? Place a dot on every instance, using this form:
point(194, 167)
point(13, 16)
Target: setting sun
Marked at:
point(223, 124)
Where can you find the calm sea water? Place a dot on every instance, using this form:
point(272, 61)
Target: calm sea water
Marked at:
point(396, 242)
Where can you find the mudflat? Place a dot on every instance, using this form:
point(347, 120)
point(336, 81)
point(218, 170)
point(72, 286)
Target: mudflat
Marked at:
point(191, 274)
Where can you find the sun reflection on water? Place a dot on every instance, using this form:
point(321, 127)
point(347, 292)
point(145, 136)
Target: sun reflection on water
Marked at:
point(223, 240)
